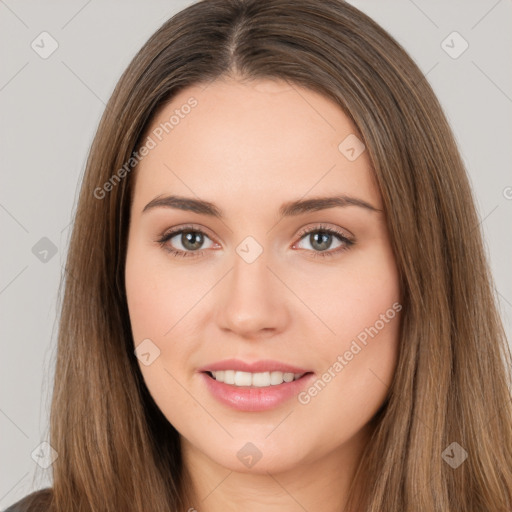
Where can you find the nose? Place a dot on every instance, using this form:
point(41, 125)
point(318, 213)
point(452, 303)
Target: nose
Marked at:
point(252, 301)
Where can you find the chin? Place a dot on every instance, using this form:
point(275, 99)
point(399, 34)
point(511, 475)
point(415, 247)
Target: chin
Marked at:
point(255, 454)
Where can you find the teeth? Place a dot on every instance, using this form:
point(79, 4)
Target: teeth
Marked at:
point(243, 379)
point(259, 380)
point(229, 377)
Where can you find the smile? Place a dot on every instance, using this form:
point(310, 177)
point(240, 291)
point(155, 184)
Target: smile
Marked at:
point(259, 380)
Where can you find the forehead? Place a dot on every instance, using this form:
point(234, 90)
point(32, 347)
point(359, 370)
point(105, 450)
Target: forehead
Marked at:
point(251, 144)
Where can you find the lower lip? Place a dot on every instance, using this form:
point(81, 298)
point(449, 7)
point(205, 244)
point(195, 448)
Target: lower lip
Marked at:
point(255, 399)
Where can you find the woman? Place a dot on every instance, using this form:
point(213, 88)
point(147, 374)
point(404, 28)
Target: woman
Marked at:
point(276, 297)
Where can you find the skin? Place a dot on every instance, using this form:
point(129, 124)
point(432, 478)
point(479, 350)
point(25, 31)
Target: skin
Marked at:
point(248, 147)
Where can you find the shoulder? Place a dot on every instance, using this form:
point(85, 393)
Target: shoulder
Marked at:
point(38, 501)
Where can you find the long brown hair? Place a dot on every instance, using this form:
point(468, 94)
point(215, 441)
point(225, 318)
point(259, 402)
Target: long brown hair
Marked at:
point(117, 452)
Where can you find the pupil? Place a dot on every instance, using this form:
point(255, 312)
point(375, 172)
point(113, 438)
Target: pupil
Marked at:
point(188, 237)
point(322, 245)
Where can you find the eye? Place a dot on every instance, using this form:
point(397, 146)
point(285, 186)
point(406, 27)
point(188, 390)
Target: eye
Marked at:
point(190, 238)
point(320, 239)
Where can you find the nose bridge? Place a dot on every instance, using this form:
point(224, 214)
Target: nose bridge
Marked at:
point(251, 300)
point(250, 270)
point(250, 276)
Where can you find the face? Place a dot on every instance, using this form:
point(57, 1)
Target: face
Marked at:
point(231, 300)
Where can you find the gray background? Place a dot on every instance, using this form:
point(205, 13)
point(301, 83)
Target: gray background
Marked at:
point(50, 109)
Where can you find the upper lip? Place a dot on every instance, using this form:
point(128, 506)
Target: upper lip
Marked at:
point(266, 365)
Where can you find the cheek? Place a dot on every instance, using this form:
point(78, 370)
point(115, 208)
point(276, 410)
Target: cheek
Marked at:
point(356, 378)
point(159, 299)
point(360, 358)
point(148, 303)
point(159, 293)
point(162, 297)
point(351, 297)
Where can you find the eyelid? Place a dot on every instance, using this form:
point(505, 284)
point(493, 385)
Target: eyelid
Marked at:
point(169, 233)
point(303, 231)
point(325, 227)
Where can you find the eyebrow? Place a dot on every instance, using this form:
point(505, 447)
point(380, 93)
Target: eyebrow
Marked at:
point(289, 209)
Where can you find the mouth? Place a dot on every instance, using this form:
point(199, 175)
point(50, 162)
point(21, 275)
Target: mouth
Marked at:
point(255, 380)
point(255, 391)
point(254, 386)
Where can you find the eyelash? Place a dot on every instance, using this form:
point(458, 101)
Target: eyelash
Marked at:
point(316, 254)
